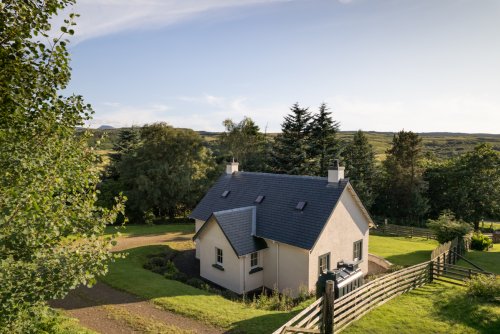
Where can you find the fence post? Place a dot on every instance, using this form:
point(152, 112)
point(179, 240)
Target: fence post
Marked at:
point(328, 300)
point(431, 271)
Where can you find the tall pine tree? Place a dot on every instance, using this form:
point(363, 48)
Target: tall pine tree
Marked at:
point(359, 159)
point(402, 190)
point(289, 154)
point(324, 147)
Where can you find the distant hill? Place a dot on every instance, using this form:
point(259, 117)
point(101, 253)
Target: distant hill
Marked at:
point(441, 144)
point(105, 127)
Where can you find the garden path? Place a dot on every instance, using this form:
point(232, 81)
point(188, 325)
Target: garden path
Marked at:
point(107, 310)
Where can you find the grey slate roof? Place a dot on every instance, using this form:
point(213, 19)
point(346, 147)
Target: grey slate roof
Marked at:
point(277, 216)
point(236, 225)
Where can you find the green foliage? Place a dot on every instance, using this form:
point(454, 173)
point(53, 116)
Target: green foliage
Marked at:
point(275, 301)
point(48, 174)
point(480, 242)
point(289, 154)
point(359, 161)
point(244, 142)
point(401, 194)
point(486, 287)
point(468, 185)
point(448, 228)
point(323, 145)
point(167, 173)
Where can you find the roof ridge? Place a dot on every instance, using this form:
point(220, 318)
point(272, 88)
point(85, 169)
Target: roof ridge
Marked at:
point(285, 175)
point(253, 207)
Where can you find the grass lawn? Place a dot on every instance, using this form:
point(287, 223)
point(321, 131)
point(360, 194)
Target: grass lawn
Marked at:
point(128, 275)
point(489, 261)
point(433, 308)
point(137, 230)
point(400, 250)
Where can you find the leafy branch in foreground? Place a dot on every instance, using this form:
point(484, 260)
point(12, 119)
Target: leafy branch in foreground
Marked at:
point(48, 174)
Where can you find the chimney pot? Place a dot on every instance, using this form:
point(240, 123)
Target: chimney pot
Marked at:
point(335, 172)
point(232, 167)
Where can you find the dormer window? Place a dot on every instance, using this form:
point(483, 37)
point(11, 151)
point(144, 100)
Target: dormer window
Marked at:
point(301, 205)
point(259, 199)
point(225, 193)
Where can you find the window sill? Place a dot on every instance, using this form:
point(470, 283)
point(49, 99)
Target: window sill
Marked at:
point(255, 270)
point(218, 266)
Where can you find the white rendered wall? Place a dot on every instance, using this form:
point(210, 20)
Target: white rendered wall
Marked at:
point(231, 277)
point(346, 225)
point(293, 267)
point(197, 225)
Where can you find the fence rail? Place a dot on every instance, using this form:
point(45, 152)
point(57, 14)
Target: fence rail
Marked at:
point(307, 321)
point(406, 231)
point(328, 315)
point(361, 301)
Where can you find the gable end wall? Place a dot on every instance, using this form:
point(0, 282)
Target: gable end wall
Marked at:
point(346, 225)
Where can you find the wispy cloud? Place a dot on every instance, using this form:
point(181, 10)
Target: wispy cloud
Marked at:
point(103, 17)
point(204, 112)
point(465, 113)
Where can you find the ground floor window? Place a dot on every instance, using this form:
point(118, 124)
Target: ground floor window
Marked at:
point(323, 263)
point(254, 259)
point(357, 250)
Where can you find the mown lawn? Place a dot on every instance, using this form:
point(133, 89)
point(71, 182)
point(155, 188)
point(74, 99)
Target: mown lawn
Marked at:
point(128, 275)
point(489, 261)
point(138, 230)
point(433, 308)
point(400, 250)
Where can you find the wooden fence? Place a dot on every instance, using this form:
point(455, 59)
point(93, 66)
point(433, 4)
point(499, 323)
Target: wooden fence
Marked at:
point(307, 321)
point(406, 231)
point(328, 315)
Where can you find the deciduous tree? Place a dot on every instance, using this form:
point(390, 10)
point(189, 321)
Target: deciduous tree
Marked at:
point(48, 174)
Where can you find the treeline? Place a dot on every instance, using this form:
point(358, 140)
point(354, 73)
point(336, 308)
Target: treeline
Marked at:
point(165, 171)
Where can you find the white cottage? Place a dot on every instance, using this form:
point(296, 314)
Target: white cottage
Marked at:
point(276, 230)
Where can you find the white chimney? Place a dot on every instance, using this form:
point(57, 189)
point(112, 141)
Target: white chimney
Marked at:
point(232, 167)
point(335, 172)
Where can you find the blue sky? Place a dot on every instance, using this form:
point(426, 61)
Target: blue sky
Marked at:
point(421, 65)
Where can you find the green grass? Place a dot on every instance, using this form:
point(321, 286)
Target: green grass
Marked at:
point(400, 250)
point(489, 261)
point(433, 308)
point(58, 323)
point(138, 230)
point(128, 275)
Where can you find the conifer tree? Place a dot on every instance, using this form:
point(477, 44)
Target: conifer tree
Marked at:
point(289, 153)
point(324, 147)
point(359, 159)
point(402, 189)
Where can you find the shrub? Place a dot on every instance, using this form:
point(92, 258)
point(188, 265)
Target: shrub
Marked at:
point(480, 242)
point(273, 302)
point(448, 228)
point(170, 270)
point(483, 286)
point(180, 276)
point(196, 282)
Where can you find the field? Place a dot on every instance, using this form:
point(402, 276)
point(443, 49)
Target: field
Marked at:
point(436, 307)
point(401, 250)
point(442, 145)
point(139, 230)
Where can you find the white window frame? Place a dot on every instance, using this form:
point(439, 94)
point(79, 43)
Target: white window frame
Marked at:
point(357, 250)
point(256, 255)
point(326, 258)
point(217, 256)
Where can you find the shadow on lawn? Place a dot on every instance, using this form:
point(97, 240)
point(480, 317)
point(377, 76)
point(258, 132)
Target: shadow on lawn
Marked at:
point(263, 324)
point(409, 259)
point(471, 312)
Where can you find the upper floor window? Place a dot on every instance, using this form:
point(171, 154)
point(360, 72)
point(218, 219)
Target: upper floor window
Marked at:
point(358, 250)
point(219, 258)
